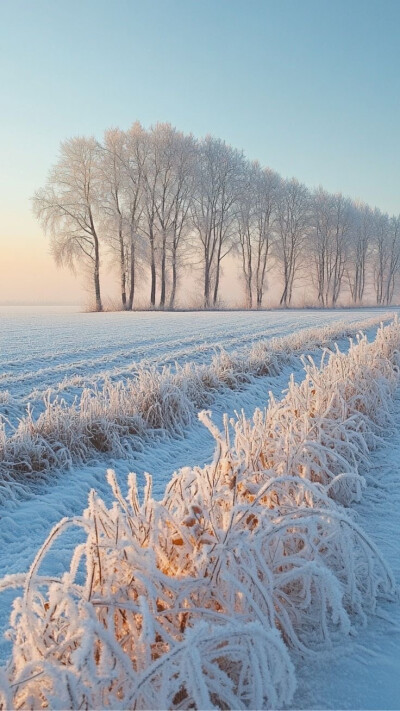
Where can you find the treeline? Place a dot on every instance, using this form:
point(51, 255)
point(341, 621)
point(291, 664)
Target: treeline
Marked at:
point(163, 202)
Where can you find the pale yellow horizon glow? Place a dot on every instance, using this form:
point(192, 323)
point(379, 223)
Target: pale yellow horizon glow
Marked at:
point(28, 273)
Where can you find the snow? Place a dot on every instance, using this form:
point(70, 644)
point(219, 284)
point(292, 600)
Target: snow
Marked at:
point(43, 350)
point(64, 350)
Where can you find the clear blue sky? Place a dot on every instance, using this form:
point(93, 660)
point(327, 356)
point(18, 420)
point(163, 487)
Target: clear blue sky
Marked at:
point(309, 87)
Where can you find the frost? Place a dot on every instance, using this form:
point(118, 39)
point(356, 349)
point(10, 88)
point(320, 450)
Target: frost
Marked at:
point(197, 600)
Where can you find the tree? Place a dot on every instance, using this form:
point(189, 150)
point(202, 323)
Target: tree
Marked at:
point(256, 215)
point(331, 222)
point(320, 242)
point(381, 225)
point(266, 195)
point(359, 247)
point(69, 208)
point(341, 213)
point(169, 182)
point(219, 177)
point(245, 225)
point(293, 223)
point(123, 164)
point(184, 170)
point(393, 258)
point(134, 157)
point(114, 184)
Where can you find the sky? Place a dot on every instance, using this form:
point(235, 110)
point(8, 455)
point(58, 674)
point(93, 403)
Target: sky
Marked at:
point(311, 88)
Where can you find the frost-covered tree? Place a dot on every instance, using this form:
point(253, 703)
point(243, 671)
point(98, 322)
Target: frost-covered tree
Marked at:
point(70, 208)
point(328, 241)
point(359, 250)
point(169, 175)
point(393, 266)
point(293, 225)
point(219, 181)
point(133, 158)
point(380, 253)
point(256, 216)
point(178, 244)
point(245, 223)
point(266, 196)
point(123, 163)
point(113, 191)
point(385, 255)
point(162, 201)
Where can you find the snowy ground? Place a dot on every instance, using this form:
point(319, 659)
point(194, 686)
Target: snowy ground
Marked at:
point(363, 674)
point(61, 351)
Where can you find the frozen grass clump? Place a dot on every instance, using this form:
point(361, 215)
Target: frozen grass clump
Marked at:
point(200, 600)
point(325, 426)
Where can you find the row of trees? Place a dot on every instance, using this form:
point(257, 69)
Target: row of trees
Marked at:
point(164, 202)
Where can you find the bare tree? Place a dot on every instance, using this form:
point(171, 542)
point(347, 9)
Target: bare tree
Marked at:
point(360, 237)
point(320, 237)
point(245, 218)
point(169, 182)
point(162, 183)
point(379, 247)
point(184, 169)
point(256, 215)
point(134, 157)
point(393, 266)
point(332, 222)
point(293, 225)
point(114, 182)
point(150, 183)
point(219, 178)
point(381, 253)
point(69, 207)
point(341, 213)
point(266, 195)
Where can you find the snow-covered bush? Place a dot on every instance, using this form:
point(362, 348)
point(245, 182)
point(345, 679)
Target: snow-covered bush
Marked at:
point(197, 600)
point(115, 417)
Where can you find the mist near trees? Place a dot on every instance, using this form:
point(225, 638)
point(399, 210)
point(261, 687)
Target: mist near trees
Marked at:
point(162, 204)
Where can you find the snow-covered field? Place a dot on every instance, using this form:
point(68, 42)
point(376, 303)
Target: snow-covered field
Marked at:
point(66, 352)
point(60, 349)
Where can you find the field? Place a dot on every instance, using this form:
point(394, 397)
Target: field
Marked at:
point(62, 351)
point(52, 356)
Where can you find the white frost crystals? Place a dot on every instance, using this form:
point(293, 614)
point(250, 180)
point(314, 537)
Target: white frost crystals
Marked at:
point(198, 600)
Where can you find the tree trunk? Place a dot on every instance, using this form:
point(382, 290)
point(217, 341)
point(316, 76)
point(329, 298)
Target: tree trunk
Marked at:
point(99, 305)
point(216, 286)
point(217, 275)
point(122, 271)
point(206, 288)
point(206, 302)
point(132, 277)
point(283, 300)
point(153, 273)
point(174, 282)
point(163, 271)
point(260, 274)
